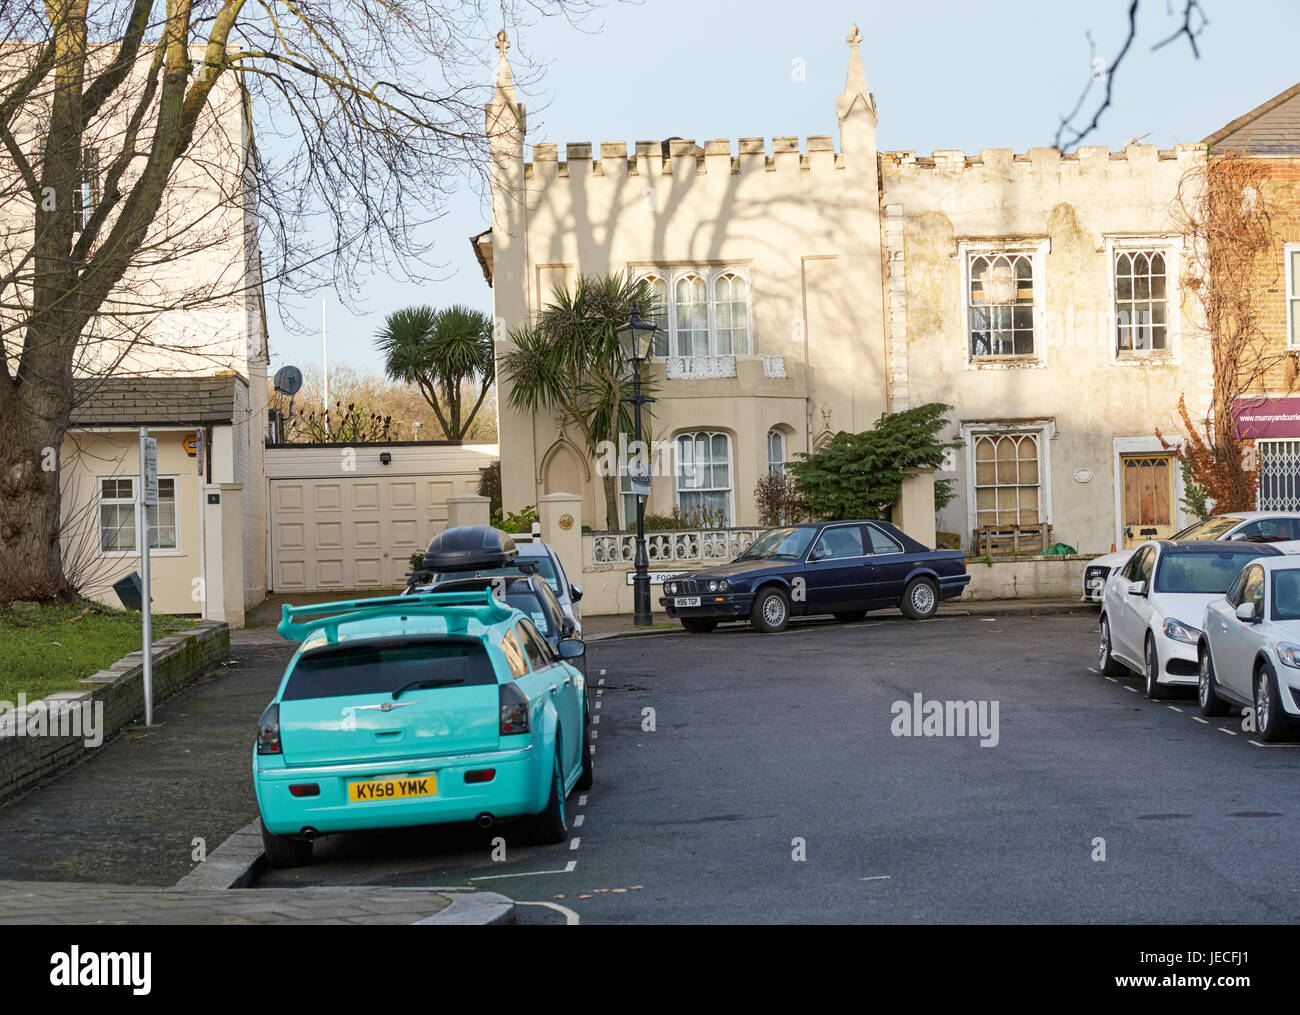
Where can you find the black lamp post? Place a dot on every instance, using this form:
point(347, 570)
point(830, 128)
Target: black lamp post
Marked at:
point(635, 338)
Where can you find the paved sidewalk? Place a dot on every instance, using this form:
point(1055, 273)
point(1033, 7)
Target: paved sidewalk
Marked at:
point(599, 628)
point(38, 902)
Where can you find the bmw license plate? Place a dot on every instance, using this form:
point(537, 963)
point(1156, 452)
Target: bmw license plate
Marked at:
point(391, 789)
point(687, 601)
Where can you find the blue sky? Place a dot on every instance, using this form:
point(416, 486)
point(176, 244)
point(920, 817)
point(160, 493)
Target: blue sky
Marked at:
point(945, 75)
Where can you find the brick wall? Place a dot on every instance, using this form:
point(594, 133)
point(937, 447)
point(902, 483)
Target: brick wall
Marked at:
point(177, 661)
point(1282, 195)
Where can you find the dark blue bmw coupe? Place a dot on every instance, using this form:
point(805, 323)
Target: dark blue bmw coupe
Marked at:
point(842, 568)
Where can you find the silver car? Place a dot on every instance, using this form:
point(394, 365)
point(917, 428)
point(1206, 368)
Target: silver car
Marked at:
point(1249, 648)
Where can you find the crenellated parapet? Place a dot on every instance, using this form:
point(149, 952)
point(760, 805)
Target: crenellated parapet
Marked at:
point(1087, 158)
point(684, 157)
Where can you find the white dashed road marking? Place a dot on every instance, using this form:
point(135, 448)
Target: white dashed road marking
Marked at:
point(568, 869)
point(577, 822)
point(575, 842)
point(1203, 722)
point(570, 917)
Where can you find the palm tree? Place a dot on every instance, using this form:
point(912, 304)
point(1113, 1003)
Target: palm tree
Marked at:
point(568, 361)
point(438, 351)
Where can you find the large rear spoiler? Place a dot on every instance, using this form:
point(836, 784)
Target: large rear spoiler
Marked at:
point(478, 604)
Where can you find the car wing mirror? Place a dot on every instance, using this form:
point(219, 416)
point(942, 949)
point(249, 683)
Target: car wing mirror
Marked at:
point(575, 593)
point(1246, 613)
point(566, 627)
point(572, 648)
point(1137, 588)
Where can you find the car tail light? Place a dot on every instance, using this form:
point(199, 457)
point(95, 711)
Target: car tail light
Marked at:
point(514, 710)
point(305, 789)
point(268, 731)
point(481, 775)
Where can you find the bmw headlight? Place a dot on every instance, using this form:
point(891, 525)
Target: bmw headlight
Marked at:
point(713, 586)
point(724, 585)
point(1178, 631)
point(1289, 653)
point(670, 588)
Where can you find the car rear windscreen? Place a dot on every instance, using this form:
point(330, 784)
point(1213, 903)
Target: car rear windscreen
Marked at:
point(1202, 573)
point(385, 666)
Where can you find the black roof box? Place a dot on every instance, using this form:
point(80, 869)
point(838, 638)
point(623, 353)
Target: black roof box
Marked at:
point(470, 548)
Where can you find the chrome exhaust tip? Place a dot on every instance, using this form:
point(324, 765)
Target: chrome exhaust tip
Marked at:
point(485, 820)
point(309, 835)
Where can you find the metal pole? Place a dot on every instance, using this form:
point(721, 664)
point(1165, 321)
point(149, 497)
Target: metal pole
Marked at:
point(641, 582)
point(146, 605)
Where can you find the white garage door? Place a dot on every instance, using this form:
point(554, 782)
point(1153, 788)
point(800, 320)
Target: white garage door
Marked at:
point(351, 533)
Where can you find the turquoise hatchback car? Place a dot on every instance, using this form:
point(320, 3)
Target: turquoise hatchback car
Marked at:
point(416, 710)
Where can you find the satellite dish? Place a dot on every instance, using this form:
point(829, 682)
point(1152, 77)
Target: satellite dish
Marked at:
point(288, 381)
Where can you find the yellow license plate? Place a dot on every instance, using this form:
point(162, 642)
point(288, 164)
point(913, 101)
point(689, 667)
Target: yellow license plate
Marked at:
point(392, 789)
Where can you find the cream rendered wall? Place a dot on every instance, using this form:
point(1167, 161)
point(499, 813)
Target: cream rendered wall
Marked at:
point(801, 222)
point(88, 456)
point(1073, 205)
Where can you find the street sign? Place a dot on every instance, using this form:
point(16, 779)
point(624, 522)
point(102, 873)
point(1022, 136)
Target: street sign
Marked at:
point(638, 476)
point(150, 472)
point(192, 445)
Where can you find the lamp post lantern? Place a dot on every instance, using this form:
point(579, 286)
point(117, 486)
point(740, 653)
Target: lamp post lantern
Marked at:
point(635, 338)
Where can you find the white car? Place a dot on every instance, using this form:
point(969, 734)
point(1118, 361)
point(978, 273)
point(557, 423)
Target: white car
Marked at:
point(1152, 609)
point(1250, 647)
point(1278, 527)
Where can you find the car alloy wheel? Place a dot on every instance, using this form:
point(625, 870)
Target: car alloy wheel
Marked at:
point(1267, 718)
point(920, 599)
point(1210, 702)
point(1105, 661)
point(1151, 667)
point(771, 611)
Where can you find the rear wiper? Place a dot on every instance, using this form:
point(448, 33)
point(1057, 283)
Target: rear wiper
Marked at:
point(423, 684)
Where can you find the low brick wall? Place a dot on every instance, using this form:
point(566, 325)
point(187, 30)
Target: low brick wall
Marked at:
point(178, 660)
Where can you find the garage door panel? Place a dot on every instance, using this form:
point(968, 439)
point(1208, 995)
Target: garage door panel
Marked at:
point(328, 496)
point(329, 535)
point(335, 533)
point(402, 496)
point(368, 572)
point(365, 496)
point(365, 535)
point(288, 497)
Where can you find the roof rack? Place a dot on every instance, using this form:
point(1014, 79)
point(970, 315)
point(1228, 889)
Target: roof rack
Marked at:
point(479, 604)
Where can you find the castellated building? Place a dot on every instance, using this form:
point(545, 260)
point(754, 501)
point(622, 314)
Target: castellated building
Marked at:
point(812, 284)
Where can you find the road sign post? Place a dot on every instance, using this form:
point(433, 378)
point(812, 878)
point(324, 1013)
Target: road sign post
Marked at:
point(148, 500)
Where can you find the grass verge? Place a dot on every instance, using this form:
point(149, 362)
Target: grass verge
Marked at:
point(52, 647)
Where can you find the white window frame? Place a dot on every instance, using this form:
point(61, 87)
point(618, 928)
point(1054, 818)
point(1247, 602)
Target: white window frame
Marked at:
point(1172, 248)
point(1044, 430)
point(778, 433)
point(710, 275)
point(134, 502)
point(1037, 251)
point(1125, 447)
point(1291, 293)
point(731, 470)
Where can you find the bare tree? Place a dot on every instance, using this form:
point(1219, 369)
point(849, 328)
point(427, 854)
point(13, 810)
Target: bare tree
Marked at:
point(128, 189)
point(1223, 210)
point(1192, 24)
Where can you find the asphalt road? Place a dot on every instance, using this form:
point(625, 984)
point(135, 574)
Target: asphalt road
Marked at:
point(766, 748)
